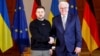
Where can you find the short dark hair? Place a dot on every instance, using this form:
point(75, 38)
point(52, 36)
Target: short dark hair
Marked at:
point(40, 7)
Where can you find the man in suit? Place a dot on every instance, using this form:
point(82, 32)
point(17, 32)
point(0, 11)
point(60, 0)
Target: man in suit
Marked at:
point(66, 29)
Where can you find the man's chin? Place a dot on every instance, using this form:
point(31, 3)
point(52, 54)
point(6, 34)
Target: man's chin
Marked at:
point(41, 17)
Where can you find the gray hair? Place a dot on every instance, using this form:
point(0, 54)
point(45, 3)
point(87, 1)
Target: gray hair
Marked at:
point(63, 2)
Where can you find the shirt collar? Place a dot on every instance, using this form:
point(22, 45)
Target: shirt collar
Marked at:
point(41, 19)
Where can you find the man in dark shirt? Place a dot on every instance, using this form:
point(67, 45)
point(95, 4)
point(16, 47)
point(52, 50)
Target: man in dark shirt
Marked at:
point(40, 29)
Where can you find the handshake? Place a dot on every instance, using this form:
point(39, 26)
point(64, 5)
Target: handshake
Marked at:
point(51, 41)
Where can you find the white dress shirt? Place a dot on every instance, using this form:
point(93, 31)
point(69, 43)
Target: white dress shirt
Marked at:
point(64, 20)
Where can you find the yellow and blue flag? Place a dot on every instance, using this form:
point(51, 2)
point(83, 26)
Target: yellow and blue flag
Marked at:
point(5, 32)
point(20, 29)
point(54, 10)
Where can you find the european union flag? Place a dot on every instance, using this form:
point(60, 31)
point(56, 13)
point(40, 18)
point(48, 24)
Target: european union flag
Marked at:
point(20, 30)
point(72, 7)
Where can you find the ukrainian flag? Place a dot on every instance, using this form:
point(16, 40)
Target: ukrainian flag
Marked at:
point(5, 33)
point(54, 10)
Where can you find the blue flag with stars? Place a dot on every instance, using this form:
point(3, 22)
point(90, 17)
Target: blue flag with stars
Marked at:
point(72, 7)
point(20, 30)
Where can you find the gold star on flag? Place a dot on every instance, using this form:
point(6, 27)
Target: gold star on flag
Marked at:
point(76, 8)
point(72, 6)
point(21, 31)
point(26, 29)
point(19, 8)
point(16, 30)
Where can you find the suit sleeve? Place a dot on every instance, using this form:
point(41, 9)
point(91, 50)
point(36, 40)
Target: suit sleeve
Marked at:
point(53, 29)
point(36, 35)
point(78, 33)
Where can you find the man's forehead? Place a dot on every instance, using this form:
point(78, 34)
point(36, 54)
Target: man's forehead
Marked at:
point(63, 5)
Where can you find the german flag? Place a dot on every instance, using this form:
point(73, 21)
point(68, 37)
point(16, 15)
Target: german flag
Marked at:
point(89, 27)
point(35, 5)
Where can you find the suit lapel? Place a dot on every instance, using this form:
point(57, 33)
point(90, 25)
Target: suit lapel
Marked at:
point(60, 26)
point(67, 22)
